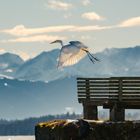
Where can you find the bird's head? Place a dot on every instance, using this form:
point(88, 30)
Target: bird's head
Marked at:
point(57, 41)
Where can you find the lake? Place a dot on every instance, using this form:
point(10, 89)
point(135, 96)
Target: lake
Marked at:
point(17, 137)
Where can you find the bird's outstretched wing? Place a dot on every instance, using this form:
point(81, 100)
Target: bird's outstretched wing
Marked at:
point(70, 55)
point(78, 44)
point(81, 46)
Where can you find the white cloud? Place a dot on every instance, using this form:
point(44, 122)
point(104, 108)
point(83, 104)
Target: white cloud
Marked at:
point(69, 110)
point(21, 30)
point(86, 2)
point(135, 21)
point(3, 65)
point(23, 55)
point(91, 16)
point(85, 37)
point(59, 5)
point(2, 51)
point(36, 38)
point(90, 28)
point(67, 15)
point(9, 70)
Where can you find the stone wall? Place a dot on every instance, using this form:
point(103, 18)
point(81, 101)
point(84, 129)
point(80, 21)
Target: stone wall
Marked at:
point(87, 130)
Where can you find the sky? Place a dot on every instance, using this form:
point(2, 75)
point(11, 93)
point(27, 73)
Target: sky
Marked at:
point(28, 26)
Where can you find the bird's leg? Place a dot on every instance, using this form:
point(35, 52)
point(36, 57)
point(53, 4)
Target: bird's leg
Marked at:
point(90, 58)
point(93, 56)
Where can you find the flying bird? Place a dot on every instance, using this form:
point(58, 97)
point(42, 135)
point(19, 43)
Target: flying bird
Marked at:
point(72, 53)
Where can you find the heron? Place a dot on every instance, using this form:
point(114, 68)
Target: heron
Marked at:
point(72, 53)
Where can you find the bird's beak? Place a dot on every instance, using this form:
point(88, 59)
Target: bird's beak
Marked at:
point(53, 42)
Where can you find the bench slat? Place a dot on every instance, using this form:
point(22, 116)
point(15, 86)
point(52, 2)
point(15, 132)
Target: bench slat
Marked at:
point(114, 89)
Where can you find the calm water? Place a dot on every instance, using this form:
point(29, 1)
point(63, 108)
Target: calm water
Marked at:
point(17, 138)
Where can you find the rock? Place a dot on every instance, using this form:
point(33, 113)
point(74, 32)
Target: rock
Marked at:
point(87, 130)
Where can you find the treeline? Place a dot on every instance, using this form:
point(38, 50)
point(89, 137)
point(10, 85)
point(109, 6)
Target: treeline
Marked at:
point(26, 126)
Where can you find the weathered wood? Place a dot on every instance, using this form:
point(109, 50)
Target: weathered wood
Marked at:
point(87, 89)
point(90, 112)
point(113, 90)
point(117, 114)
point(120, 90)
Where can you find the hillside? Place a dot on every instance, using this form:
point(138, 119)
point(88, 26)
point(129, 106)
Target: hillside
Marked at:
point(21, 99)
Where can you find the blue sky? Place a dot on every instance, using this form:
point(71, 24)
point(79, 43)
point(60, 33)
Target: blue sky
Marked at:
point(27, 27)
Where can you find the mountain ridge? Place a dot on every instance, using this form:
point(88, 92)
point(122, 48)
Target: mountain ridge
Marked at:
point(114, 62)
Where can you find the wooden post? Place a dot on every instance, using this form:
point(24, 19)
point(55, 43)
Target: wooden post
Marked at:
point(120, 89)
point(87, 90)
point(90, 112)
point(117, 113)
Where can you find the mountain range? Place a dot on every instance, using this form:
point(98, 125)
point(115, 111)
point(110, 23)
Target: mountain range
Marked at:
point(113, 62)
point(22, 98)
point(36, 87)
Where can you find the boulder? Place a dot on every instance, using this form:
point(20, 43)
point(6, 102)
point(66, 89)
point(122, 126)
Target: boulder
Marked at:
point(87, 130)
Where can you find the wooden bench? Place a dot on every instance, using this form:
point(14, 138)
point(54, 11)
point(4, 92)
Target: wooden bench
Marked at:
point(114, 93)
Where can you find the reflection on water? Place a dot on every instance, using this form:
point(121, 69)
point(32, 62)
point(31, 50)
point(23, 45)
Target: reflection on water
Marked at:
point(17, 138)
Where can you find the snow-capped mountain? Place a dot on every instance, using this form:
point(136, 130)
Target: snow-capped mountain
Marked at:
point(113, 62)
point(44, 67)
point(9, 63)
point(23, 98)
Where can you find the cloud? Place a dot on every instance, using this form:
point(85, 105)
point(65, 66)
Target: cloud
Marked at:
point(21, 30)
point(91, 28)
point(91, 16)
point(135, 21)
point(86, 2)
point(67, 15)
point(2, 51)
point(59, 5)
point(36, 38)
point(85, 37)
point(24, 55)
point(69, 110)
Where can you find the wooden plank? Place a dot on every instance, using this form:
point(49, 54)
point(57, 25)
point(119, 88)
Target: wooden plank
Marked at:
point(92, 78)
point(98, 88)
point(98, 92)
point(131, 94)
point(125, 78)
point(97, 82)
point(101, 92)
point(111, 78)
point(131, 85)
point(131, 82)
point(131, 88)
point(98, 85)
point(99, 98)
point(98, 95)
point(124, 92)
point(131, 98)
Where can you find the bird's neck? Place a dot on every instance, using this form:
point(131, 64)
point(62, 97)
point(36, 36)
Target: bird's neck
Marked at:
point(61, 43)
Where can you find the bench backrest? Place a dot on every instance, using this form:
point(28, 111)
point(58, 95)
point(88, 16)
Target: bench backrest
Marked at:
point(100, 90)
